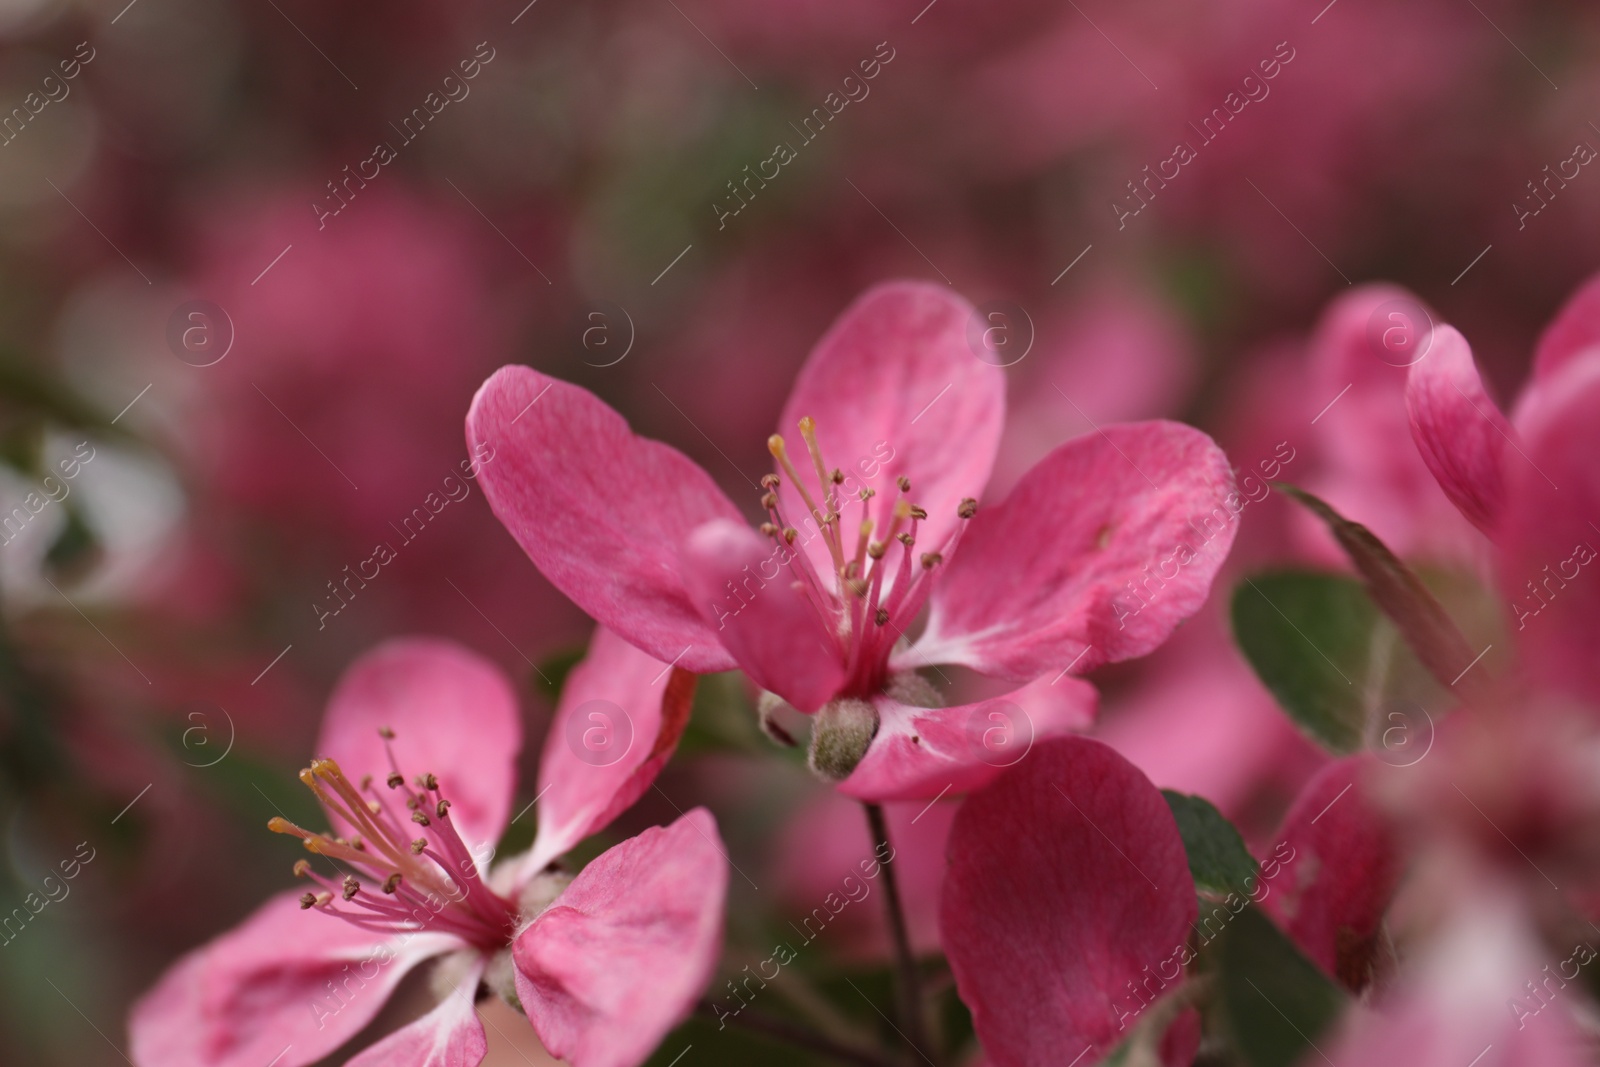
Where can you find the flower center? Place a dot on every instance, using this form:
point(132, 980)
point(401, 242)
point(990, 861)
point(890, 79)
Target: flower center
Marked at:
point(393, 881)
point(851, 602)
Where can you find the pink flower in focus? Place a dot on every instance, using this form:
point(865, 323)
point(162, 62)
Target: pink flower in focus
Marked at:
point(603, 963)
point(1095, 556)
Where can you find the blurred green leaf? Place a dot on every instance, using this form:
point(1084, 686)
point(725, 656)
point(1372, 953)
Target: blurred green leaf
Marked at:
point(251, 788)
point(1309, 637)
point(27, 392)
point(1218, 859)
point(1276, 1002)
point(1422, 620)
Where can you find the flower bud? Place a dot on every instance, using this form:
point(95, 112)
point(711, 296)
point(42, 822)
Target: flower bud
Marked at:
point(839, 737)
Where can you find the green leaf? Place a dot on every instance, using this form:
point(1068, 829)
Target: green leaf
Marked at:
point(1310, 639)
point(1218, 859)
point(1422, 620)
point(1276, 1002)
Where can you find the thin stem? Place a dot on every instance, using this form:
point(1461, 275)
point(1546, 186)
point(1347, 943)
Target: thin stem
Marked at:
point(908, 983)
point(795, 1034)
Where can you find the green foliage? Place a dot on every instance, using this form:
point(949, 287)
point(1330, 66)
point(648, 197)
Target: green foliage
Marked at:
point(1218, 859)
point(1422, 620)
point(1276, 1003)
point(1310, 639)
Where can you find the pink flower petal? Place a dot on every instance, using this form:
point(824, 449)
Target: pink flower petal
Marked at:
point(1099, 552)
point(919, 753)
point(1365, 463)
point(619, 720)
point(1549, 536)
point(1340, 865)
point(453, 715)
point(284, 982)
point(1574, 331)
point(1458, 429)
point(621, 957)
point(739, 581)
point(600, 511)
point(1067, 880)
point(451, 1035)
point(896, 390)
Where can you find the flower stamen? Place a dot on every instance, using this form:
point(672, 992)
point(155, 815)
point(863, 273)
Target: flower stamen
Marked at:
point(427, 882)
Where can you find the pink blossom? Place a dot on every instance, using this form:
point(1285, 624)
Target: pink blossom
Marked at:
point(1095, 556)
point(603, 962)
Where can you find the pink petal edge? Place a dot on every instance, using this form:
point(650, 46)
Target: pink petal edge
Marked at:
point(921, 753)
point(449, 1035)
point(1458, 429)
point(453, 714)
point(584, 781)
point(623, 954)
point(599, 510)
point(284, 982)
point(1067, 880)
point(1071, 570)
point(771, 630)
point(1340, 865)
point(896, 390)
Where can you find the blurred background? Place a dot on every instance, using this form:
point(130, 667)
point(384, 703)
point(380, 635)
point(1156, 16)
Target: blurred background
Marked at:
point(257, 255)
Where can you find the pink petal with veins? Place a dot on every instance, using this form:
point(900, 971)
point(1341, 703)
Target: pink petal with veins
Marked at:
point(1549, 536)
point(285, 983)
point(595, 764)
point(919, 753)
point(896, 390)
point(1458, 429)
point(1067, 879)
point(1331, 893)
point(1104, 547)
point(739, 581)
point(599, 510)
point(453, 714)
point(450, 1035)
point(623, 954)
